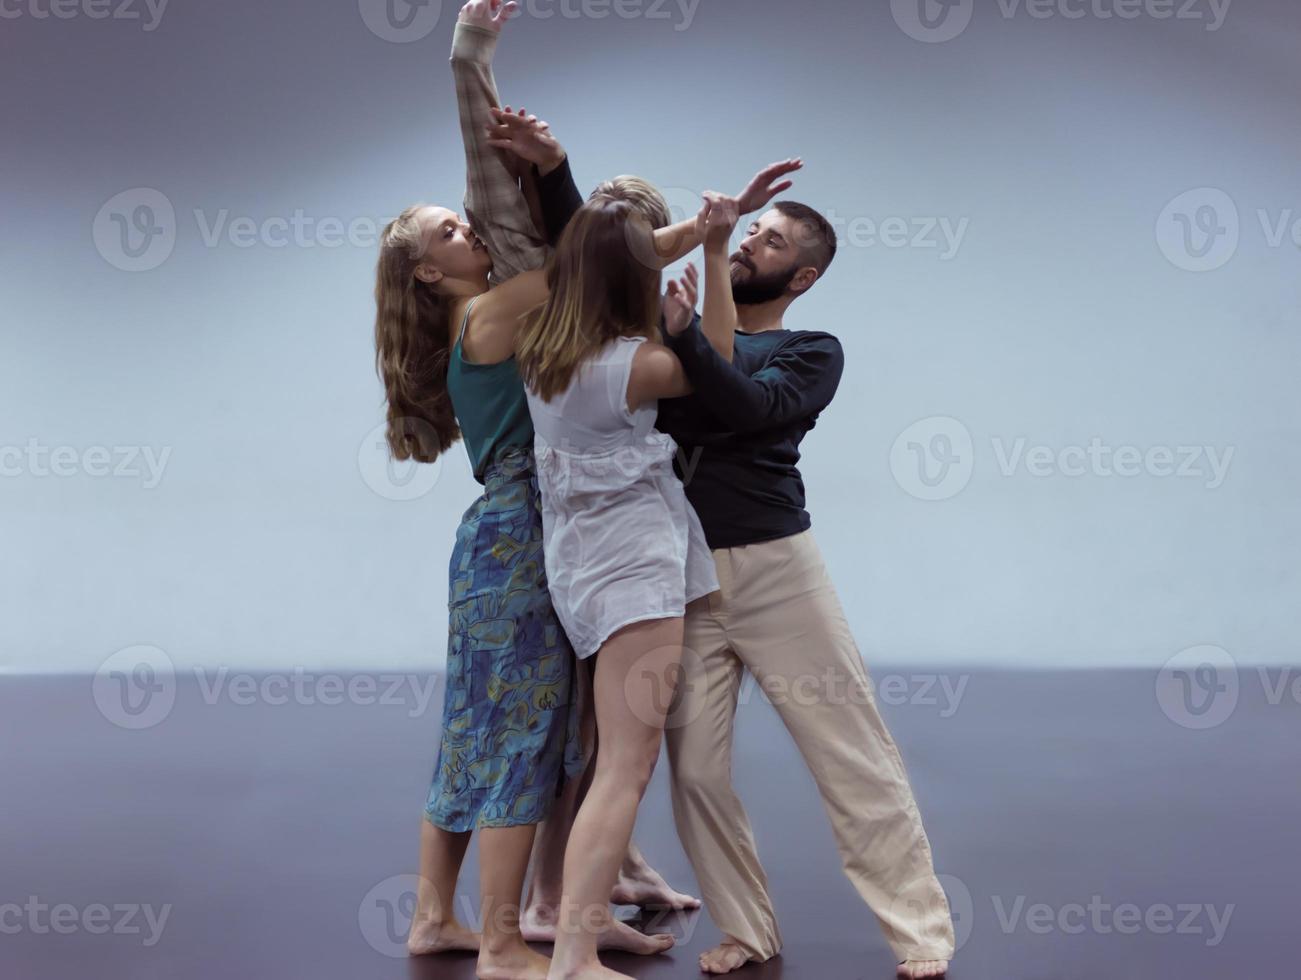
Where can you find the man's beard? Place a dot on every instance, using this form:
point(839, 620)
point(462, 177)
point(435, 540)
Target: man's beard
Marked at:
point(760, 289)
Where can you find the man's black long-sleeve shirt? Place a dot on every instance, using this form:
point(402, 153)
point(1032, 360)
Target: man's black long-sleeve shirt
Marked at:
point(739, 433)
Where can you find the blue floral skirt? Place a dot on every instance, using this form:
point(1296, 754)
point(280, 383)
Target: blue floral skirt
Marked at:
point(511, 709)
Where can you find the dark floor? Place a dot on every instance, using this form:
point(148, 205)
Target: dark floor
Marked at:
point(1082, 831)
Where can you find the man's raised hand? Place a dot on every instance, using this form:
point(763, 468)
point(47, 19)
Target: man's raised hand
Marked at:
point(680, 301)
point(763, 188)
point(488, 14)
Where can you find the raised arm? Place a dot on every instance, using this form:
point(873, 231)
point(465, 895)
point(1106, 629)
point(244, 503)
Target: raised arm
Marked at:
point(531, 139)
point(495, 204)
point(718, 321)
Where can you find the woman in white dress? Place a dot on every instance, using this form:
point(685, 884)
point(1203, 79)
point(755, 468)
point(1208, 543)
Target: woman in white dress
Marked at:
point(624, 549)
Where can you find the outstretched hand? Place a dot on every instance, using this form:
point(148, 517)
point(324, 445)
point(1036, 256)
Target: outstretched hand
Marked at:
point(762, 188)
point(680, 301)
point(488, 14)
point(526, 137)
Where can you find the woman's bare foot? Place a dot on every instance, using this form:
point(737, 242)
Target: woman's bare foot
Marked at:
point(440, 937)
point(538, 925)
point(723, 958)
point(516, 963)
point(594, 972)
point(923, 968)
point(646, 887)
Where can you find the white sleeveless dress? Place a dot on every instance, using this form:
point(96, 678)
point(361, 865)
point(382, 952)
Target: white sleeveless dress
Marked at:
point(622, 543)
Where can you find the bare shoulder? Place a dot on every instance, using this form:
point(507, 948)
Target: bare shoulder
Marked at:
point(653, 359)
point(495, 316)
point(656, 373)
point(514, 297)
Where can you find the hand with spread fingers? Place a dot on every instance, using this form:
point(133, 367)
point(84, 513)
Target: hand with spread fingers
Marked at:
point(680, 301)
point(525, 138)
point(488, 14)
point(767, 184)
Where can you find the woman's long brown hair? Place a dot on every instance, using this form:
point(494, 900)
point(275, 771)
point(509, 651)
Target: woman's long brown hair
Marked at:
point(603, 281)
point(412, 346)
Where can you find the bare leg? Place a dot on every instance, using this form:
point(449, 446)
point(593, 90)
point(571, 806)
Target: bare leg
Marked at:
point(634, 683)
point(434, 928)
point(503, 860)
point(542, 907)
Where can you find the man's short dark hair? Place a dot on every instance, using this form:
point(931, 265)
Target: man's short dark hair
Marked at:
point(817, 239)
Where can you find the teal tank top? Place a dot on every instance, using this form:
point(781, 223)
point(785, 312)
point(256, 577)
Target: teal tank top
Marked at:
point(490, 405)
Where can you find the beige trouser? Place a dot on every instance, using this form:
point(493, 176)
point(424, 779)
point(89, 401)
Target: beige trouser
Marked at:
point(777, 614)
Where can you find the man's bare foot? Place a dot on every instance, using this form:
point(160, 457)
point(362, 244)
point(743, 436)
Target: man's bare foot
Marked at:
point(516, 963)
point(647, 888)
point(434, 937)
point(723, 958)
point(538, 925)
point(923, 968)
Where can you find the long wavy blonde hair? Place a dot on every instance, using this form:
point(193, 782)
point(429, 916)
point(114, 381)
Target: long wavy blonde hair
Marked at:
point(604, 283)
point(412, 346)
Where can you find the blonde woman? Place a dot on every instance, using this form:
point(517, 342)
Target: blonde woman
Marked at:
point(444, 349)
